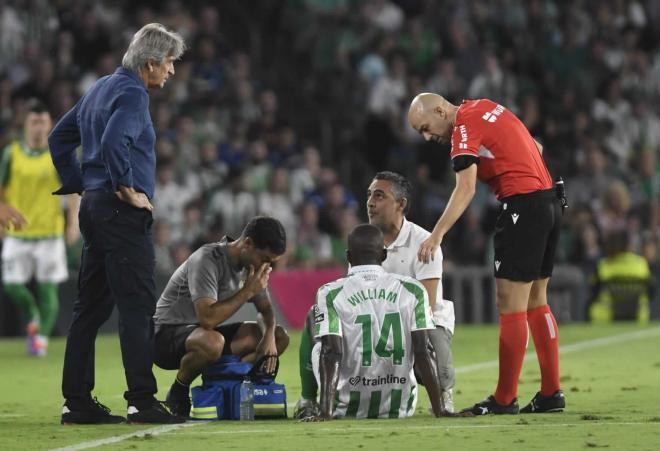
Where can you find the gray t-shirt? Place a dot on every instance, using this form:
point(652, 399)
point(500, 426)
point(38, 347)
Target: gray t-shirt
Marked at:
point(208, 273)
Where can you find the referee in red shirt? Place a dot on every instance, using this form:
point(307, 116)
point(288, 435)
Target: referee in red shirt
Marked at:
point(489, 143)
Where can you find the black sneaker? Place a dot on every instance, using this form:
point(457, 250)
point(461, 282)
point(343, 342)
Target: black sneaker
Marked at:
point(178, 404)
point(546, 404)
point(88, 412)
point(156, 414)
point(490, 406)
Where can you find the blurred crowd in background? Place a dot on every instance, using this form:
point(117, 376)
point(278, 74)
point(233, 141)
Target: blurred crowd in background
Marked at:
point(289, 108)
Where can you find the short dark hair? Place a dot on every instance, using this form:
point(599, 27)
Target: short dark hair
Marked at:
point(266, 233)
point(400, 185)
point(365, 245)
point(36, 106)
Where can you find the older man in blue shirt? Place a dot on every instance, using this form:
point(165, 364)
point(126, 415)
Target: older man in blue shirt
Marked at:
point(116, 178)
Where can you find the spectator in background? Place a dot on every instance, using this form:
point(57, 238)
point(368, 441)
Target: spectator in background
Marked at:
point(258, 168)
point(170, 197)
point(162, 241)
point(313, 248)
point(494, 83)
point(613, 111)
point(304, 175)
point(232, 206)
point(276, 201)
point(445, 79)
point(336, 199)
point(211, 173)
point(193, 224)
point(593, 178)
point(616, 207)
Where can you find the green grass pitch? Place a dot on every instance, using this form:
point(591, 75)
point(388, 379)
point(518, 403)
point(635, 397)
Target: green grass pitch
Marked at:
point(610, 374)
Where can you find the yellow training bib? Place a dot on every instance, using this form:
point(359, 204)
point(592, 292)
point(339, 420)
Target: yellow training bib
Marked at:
point(32, 179)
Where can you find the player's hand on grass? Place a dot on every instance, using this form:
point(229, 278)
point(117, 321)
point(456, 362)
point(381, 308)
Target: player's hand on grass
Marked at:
point(427, 249)
point(257, 280)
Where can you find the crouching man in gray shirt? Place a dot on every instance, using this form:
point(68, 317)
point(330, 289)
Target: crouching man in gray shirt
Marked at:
point(204, 292)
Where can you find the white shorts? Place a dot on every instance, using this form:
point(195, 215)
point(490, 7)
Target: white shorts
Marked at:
point(443, 315)
point(44, 259)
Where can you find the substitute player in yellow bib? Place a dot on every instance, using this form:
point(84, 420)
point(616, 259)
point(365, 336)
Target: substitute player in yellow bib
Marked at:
point(27, 179)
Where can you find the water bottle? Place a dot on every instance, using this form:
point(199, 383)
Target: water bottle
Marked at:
point(246, 400)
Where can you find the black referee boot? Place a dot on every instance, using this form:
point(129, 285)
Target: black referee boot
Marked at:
point(89, 411)
point(546, 404)
point(490, 406)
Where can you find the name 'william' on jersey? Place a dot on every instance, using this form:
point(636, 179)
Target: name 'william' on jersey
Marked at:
point(375, 313)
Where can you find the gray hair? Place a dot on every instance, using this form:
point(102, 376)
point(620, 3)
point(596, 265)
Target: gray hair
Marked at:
point(154, 43)
point(401, 186)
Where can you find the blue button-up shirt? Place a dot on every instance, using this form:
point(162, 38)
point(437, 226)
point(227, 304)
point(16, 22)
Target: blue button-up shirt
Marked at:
point(113, 124)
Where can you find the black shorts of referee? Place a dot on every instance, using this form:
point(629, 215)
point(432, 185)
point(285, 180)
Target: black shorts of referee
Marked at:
point(526, 236)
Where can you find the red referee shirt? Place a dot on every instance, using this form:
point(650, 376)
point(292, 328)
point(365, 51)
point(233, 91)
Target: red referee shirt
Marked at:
point(509, 161)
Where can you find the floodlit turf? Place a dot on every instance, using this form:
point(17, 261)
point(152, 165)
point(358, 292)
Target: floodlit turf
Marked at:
point(612, 390)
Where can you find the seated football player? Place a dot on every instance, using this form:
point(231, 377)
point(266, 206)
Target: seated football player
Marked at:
point(202, 295)
point(373, 327)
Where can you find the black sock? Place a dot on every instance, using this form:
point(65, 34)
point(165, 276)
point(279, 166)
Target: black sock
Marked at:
point(180, 388)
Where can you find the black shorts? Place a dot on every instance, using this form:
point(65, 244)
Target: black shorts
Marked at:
point(170, 342)
point(526, 236)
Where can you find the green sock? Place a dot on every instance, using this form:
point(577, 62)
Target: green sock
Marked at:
point(307, 379)
point(22, 297)
point(49, 307)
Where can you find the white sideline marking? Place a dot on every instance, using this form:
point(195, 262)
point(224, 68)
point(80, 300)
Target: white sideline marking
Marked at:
point(568, 349)
point(118, 438)
point(436, 426)
point(11, 415)
point(575, 347)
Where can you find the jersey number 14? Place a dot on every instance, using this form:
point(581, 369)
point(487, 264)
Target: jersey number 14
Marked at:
point(391, 325)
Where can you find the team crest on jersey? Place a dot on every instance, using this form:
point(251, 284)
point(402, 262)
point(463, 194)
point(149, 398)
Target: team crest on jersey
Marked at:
point(318, 315)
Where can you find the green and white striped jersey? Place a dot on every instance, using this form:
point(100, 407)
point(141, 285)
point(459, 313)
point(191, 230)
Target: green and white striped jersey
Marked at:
point(375, 313)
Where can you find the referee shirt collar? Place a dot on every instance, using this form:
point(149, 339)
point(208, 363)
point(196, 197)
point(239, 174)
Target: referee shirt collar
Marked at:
point(361, 269)
point(402, 237)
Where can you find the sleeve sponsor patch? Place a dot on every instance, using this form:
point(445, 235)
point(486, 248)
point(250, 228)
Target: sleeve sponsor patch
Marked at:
point(318, 315)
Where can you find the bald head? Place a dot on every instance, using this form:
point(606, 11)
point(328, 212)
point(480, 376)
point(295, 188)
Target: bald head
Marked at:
point(433, 116)
point(366, 245)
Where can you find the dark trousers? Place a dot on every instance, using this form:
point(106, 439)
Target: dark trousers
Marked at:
point(117, 268)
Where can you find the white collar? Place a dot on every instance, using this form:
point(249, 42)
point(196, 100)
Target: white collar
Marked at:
point(365, 268)
point(404, 233)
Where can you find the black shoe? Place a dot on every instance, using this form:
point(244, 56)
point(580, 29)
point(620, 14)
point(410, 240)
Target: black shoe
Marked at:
point(490, 405)
point(546, 404)
point(90, 411)
point(178, 404)
point(157, 413)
